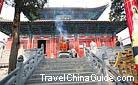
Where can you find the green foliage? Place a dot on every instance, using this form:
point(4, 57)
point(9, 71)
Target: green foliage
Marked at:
point(117, 12)
point(29, 8)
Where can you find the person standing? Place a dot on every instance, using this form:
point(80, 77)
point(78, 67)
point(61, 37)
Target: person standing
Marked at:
point(93, 47)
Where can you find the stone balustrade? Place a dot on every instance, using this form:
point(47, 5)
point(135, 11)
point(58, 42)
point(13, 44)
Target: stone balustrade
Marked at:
point(24, 68)
point(103, 68)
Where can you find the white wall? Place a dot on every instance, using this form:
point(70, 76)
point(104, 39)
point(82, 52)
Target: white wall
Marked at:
point(124, 35)
point(3, 36)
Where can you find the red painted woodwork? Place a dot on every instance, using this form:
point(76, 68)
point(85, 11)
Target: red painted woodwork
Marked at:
point(53, 43)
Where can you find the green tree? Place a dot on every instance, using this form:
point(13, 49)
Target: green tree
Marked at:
point(117, 12)
point(30, 9)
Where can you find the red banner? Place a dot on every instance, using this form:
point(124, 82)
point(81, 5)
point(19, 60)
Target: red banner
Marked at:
point(1, 4)
point(131, 9)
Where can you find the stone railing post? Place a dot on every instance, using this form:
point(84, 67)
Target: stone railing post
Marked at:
point(19, 78)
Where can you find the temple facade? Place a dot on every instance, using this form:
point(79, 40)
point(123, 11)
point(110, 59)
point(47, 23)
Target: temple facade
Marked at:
point(79, 29)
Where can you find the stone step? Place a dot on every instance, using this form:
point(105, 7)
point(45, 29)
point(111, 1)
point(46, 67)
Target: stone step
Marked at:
point(65, 83)
point(62, 78)
point(62, 74)
point(62, 63)
point(63, 71)
point(60, 67)
point(63, 60)
point(56, 67)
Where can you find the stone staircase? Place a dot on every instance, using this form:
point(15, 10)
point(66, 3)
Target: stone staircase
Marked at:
point(60, 70)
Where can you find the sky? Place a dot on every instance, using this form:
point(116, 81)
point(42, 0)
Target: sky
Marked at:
point(8, 11)
point(77, 3)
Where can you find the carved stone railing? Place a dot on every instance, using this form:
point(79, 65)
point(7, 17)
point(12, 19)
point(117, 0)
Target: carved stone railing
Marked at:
point(95, 62)
point(99, 63)
point(24, 68)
